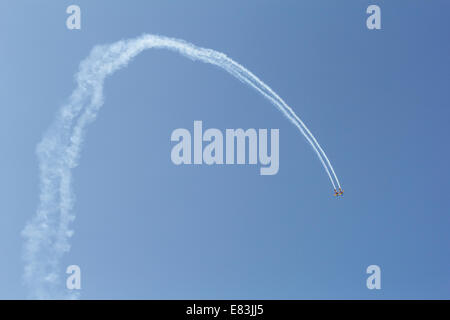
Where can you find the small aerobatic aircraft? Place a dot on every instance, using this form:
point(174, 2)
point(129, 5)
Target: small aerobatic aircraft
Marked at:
point(338, 193)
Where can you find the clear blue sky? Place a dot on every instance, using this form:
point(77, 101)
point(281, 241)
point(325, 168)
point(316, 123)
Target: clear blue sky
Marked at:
point(378, 102)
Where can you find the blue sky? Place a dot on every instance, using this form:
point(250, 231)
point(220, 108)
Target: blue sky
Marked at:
point(377, 101)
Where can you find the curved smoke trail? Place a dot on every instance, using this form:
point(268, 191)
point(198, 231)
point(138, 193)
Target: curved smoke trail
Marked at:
point(47, 234)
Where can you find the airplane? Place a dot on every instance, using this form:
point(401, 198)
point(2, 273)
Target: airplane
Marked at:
point(338, 193)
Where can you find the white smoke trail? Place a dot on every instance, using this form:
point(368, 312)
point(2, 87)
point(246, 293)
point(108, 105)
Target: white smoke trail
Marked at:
point(47, 234)
point(251, 79)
